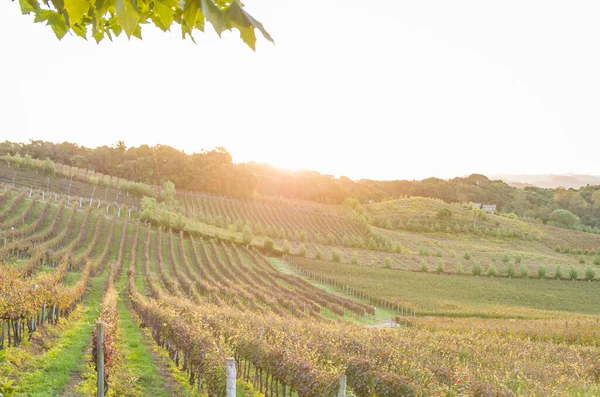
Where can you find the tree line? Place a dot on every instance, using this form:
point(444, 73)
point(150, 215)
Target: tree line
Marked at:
point(214, 171)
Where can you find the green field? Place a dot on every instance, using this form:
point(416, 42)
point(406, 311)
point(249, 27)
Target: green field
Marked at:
point(454, 295)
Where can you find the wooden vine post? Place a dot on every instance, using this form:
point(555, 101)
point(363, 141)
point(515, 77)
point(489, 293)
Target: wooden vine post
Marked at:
point(100, 358)
point(231, 376)
point(342, 391)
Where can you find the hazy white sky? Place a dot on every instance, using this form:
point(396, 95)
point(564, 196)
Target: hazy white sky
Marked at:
point(388, 90)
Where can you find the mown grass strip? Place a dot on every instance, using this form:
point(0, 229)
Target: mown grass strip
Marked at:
point(137, 361)
point(52, 371)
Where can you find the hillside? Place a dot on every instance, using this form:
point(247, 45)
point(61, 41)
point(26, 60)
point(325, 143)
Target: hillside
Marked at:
point(298, 292)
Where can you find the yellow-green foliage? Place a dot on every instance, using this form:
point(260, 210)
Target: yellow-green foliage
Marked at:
point(422, 214)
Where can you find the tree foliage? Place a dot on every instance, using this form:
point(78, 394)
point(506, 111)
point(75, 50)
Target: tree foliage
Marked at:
point(102, 19)
point(213, 171)
point(564, 218)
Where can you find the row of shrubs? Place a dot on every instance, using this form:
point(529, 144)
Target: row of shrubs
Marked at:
point(565, 249)
point(510, 271)
point(466, 255)
point(475, 269)
point(505, 258)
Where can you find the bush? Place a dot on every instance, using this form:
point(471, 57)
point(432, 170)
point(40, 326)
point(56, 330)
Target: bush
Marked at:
point(452, 254)
point(596, 260)
point(444, 214)
point(558, 274)
point(424, 267)
point(319, 254)
point(48, 167)
point(269, 231)
point(387, 263)
point(424, 251)
point(573, 274)
point(301, 250)
point(372, 244)
point(336, 255)
point(303, 236)
point(581, 259)
point(318, 237)
point(459, 268)
point(590, 273)
point(440, 267)
point(247, 235)
point(268, 244)
point(510, 270)
point(492, 271)
point(330, 238)
point(354, 258)
point(439, 253)
point(505, 258)
point(476, 269)
point(542, 271)
point(467, 256)
point(564, 218)
point(286, 247)
point(518, 259)
point(524, 271)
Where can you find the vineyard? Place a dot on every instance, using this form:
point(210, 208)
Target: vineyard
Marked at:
point(174, 305)
point(70, 181)
point(273, 219)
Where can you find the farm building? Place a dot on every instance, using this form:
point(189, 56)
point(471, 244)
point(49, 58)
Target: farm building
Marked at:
point(489, 208)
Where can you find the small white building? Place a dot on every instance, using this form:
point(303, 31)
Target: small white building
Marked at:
point(489, 208)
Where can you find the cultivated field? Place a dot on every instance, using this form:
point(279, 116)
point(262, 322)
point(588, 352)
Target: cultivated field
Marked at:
point(176, 302)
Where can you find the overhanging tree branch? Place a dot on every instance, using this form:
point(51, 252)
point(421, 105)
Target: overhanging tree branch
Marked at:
point(109, 18)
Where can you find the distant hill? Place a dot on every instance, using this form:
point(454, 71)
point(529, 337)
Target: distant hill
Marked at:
point(549, 181)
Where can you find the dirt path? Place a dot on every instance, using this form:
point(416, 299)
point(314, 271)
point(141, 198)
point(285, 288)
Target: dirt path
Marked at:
point(162, 362)
point(75, 379)
point(387, 324)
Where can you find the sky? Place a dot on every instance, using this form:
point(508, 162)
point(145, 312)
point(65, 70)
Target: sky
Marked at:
point(383, 90)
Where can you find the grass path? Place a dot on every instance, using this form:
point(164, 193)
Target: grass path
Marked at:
point(382, 315)
point(50, 373)
point(141, 368)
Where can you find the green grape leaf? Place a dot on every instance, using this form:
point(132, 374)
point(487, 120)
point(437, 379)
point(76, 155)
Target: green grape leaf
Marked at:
point(98, 36)
point(108, 18)
point(127, 15)
point(245, 23)
point(214, 15)
point(114, 26)
point(76, 9)
point(59, 5)
point(238, 18)
point(80, 31)
point(137, 32)
point(164, 12)
point(28, 6)
point(58, 24)
point(42, 16)
point(190, 13)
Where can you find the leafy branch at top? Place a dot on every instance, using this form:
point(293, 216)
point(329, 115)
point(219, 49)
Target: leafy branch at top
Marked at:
point(108, 18)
